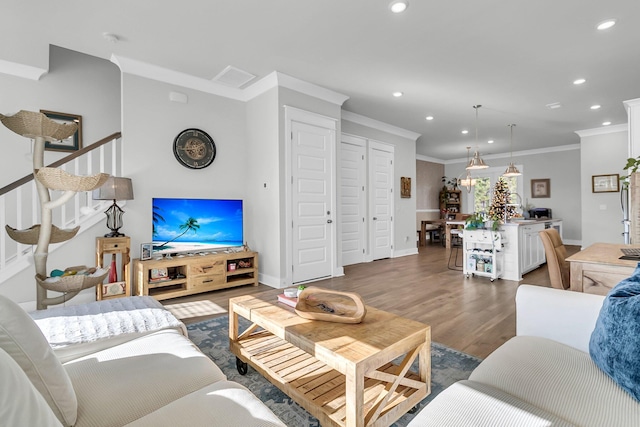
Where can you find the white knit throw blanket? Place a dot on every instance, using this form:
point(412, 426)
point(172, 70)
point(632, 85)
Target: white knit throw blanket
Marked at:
point(84, 323)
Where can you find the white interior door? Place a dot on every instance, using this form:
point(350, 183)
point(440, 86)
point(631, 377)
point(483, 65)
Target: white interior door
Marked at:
point(312, 208)
point(352, 199)
point(381, 185)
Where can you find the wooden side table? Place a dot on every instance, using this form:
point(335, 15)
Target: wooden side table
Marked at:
point(114, 246)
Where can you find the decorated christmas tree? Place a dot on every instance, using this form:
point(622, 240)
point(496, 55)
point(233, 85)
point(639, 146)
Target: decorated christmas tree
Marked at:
point(500, 200)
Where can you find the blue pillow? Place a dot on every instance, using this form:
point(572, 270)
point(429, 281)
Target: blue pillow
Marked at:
point(615, 341)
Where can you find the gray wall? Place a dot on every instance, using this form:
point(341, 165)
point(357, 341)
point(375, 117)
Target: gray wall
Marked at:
point(262, 215)
point(602, 154)
point(150, 124)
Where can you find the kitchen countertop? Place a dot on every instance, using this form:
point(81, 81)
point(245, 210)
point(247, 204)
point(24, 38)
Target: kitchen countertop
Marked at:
point(530, 221)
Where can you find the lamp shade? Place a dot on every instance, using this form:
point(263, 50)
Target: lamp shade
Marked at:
point(468, 182)
point(477, 162)
point(512, 170)
point(115, 188)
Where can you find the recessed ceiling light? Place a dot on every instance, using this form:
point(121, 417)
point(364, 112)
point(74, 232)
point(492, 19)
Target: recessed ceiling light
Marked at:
point(579, 81)
point(553, 105)
point(595, 107)
point(606, 123)
point(464, 132)
point(490, 141)
point(429, 118)
point(604, 25)
point(398, 94)
point(398, 6)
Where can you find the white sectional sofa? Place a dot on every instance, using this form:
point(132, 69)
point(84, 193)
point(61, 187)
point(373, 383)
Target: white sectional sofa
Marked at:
point(133, 375)
point(543, 376)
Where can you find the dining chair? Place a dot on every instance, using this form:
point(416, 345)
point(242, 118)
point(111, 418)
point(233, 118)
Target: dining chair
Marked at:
point(556, 254)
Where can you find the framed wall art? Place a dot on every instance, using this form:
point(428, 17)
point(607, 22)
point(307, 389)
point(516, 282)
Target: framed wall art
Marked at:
point(605, 183)
point(540, 188)
point(74, 142)
point(405, 187)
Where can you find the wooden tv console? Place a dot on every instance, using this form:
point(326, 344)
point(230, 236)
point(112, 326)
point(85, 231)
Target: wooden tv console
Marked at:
point(187, 275)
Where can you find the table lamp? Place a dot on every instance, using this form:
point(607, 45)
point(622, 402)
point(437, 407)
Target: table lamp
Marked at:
point(115, 188)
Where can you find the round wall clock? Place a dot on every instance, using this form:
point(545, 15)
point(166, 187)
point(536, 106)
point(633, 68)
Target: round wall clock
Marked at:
point(194, 148)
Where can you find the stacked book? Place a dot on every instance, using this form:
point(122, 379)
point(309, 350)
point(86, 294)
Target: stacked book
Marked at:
point(290, 301)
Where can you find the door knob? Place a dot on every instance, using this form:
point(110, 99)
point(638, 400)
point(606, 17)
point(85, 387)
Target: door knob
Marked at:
point(329, 221)
point(375, 218)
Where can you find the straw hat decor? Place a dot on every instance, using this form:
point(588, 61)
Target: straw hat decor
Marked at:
point(32, 125)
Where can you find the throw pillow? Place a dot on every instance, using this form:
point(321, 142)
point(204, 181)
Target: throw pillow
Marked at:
point(21, 338)
point(20, 402)
point(615, 342)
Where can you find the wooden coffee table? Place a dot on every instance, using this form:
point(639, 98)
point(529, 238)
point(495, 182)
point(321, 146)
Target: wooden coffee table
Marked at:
point(341, 373)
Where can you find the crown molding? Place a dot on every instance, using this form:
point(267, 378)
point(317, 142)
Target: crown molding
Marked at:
point(376, 124)
point(21, 70)
point(631, 103)
point(154, 72)
point(272, 80)
point(604, 130)
point(293, 83)
point(263, 85)
point(533, 152)
point(429, 159)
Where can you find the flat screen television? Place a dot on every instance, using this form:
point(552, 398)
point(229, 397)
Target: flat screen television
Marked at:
point(196, 225)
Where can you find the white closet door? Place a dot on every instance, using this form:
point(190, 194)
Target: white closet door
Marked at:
point(381, 185)
point(353, 199)
point(312, 242)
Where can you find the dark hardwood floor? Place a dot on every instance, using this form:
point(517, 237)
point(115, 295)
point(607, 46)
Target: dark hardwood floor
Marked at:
point(472, 315)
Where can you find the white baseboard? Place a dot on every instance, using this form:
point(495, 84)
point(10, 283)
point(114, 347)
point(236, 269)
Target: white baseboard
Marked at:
point(405, 252)
point(274, 282)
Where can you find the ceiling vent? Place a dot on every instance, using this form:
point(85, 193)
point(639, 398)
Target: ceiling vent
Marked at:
point(234, 77)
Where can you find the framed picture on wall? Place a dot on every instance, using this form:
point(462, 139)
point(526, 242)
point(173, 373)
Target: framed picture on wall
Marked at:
point(605, 183)
point(74, 142)
point(540, 188)
point(405, 187)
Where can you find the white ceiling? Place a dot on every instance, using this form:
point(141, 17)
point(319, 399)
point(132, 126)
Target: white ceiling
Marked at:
point(514, 57)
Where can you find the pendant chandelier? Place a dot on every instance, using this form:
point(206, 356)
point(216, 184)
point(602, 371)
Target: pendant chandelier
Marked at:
point(512, 170)
point(468, 182)
point(477, 162)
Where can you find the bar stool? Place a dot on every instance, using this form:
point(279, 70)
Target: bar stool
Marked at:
point(456, 244)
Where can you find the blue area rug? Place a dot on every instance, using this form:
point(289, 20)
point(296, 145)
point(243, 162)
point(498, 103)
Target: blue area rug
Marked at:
point(212, 337)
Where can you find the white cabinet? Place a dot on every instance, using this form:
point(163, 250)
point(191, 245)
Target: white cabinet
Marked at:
point(531, 248)
point(523, 249)
point(483, 253)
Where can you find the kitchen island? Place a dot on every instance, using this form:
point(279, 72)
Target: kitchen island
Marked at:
point(523, 249)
